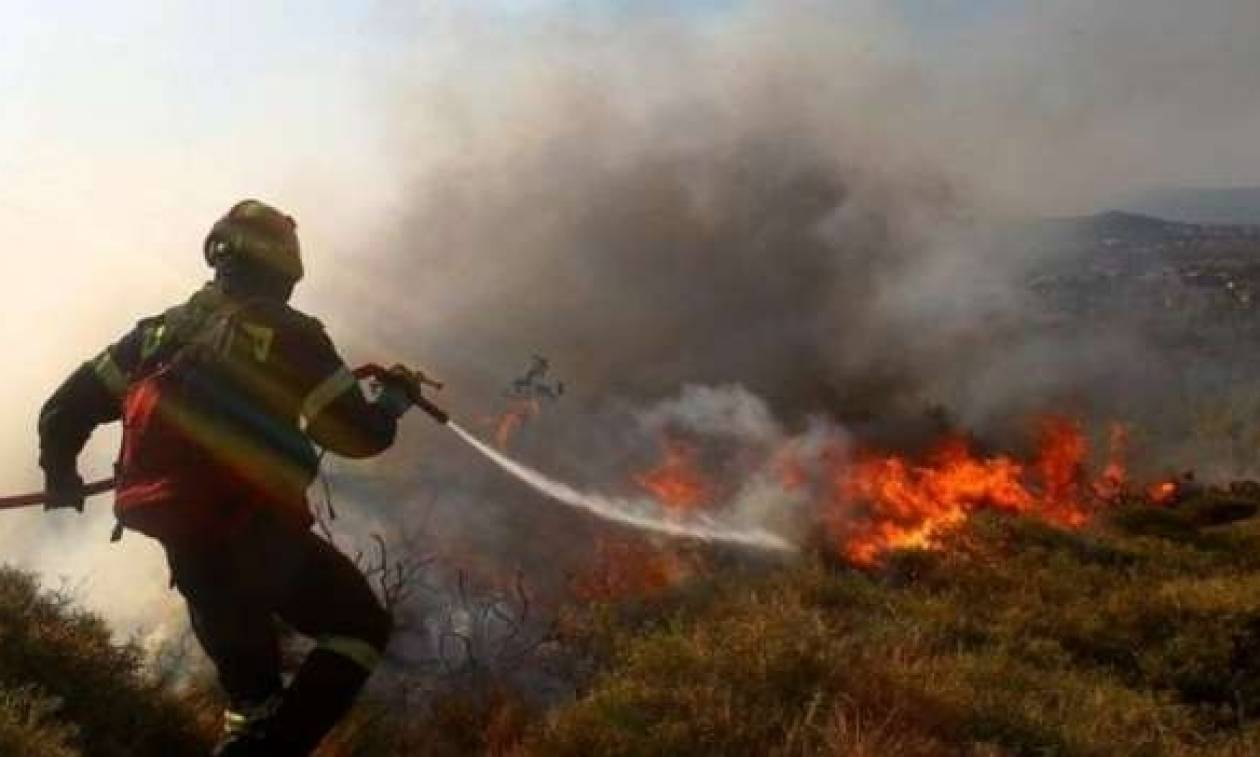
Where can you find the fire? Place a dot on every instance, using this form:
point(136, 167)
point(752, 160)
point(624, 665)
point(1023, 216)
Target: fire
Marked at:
point(790, 470)
point(631, 567)
point(1162, 493)
point(676, 482)
point(877, 503)
point(1061, 456)
point(1115, 476)
point(881, 503)
point(518, 413)
point(636, 567)
point(871, 502)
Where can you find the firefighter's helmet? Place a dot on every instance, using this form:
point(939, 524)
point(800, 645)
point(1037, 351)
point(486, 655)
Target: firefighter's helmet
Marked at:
point(260, 234)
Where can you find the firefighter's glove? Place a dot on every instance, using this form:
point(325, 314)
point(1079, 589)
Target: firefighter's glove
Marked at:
point(396, 388)
point(64, 490)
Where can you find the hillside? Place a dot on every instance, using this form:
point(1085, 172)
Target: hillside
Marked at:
point(1140, 636)
point(67, 689)
point(1137, 635)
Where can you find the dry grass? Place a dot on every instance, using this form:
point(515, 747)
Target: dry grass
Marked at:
point(1139, 637)
point(1142, 637)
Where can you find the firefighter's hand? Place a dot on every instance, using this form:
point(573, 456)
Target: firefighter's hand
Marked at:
point(396, 388)
point(64, 489)
point(402, 375)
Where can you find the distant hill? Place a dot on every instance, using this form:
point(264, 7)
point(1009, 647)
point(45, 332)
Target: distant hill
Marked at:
point(1115, 223)
point(1239, 205)
point(1132, 228)
point(1124, 230)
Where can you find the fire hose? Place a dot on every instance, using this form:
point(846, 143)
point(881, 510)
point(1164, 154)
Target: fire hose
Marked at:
point(635, 513)
point(38, 498)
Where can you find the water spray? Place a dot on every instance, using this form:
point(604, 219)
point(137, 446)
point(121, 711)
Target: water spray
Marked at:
point(639, 513)
point(643, 514)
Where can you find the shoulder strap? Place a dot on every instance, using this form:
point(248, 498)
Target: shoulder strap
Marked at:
point(194, 334)
point(216, 333)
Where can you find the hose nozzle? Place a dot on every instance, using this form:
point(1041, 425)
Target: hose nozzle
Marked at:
point(413, 381)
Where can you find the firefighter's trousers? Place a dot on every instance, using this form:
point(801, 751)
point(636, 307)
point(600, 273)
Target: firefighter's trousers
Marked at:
point(236, 588)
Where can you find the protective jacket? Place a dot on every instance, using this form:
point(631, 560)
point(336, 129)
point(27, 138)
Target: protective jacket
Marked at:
point(240, 435)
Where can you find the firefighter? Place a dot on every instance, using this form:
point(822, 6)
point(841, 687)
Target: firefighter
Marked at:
point(222, 400)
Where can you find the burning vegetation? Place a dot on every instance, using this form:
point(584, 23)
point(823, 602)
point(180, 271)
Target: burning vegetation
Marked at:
point(1013, 637)
point(510, 421)
point(878, 503)
point(1007, 634)
point(676, 482)
point(1011, 591)
point(868, 503)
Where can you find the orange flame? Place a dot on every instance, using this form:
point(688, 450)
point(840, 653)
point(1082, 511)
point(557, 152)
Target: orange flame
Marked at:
point(676, 481)
point(871, 503)
point(1115, 476)
point(1162, 493)
point(790, 470)
point(1061, 464)
point(518, 413)
point(879, 503)
point(630, 568)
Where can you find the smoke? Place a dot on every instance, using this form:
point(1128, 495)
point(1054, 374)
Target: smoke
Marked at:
point(806, 200)
point(780, 197)
point(786, 197)
point(1078, 102)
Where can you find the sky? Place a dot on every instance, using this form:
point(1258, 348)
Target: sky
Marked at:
point(127, 127)
point(169, 82)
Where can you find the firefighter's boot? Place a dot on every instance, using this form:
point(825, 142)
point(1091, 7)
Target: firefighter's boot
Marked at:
point(320, 695)
point(245, 728)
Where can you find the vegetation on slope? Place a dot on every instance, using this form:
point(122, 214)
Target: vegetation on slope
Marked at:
point(1141, 637)
point(1138, 636)
point(67, 689)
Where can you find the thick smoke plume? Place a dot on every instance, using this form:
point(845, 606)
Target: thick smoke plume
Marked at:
point(785, 199)
point(794, 200)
